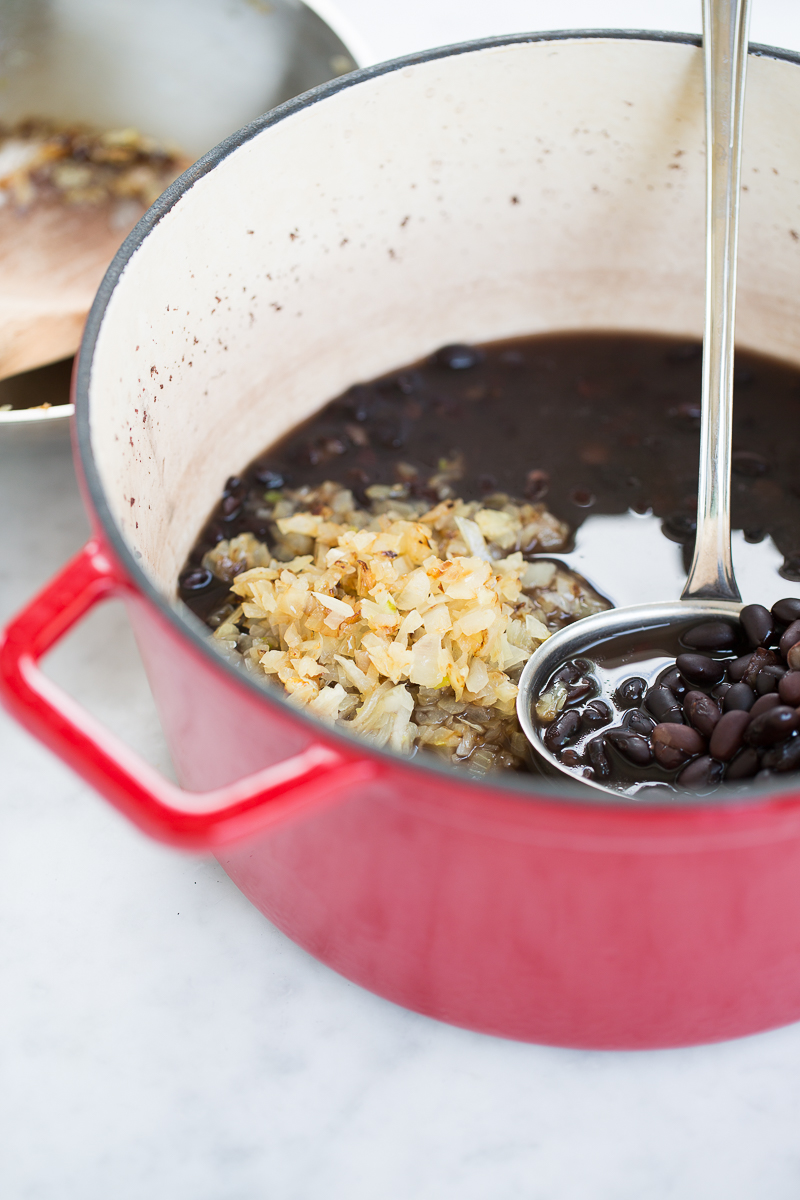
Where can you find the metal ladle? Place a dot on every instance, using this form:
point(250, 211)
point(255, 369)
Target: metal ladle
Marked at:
point(710, 589)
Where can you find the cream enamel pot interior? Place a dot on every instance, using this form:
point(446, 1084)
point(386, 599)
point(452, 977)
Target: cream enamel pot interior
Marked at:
point(477, 192)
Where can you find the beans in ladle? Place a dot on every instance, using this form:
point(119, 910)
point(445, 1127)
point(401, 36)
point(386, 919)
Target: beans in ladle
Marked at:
point(790, 637)
point(728, 735)
point(563, 730)
point(705, 718)
point(673, 745)
point(630, 692)
point(700, 669)
point(701, 711)
point(671, 678)
point(739, 696)
point(663, 704)
point(711, 635)
point(598, 757)
point(701, 773)
point(789, 688)
point(638, 722)
point(786, 611)
point(757, 623)
point(595, 715)
point(771, 727)
point(764, 704)
point(634, 747)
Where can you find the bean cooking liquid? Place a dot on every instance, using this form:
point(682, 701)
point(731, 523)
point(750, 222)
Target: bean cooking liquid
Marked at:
point(587, 422)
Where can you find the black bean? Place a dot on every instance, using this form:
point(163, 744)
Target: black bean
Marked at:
point(711, 635)
point(638, 722)
point(680, 528)
point(458, 357)
point(196, 580)
point(790, 568)
point(759, 659)
point(582, 497)
point(598, 757)
point(728, 735)
point(793, 657)
point(594, 715)
point(571, 758)
point(663, 705)
point(739, 668)
point(579, 690)
point(701, 773)
point(789, 688)
point(765, 704)
point(409, 382)
point(701, 711)
point(698, 668)
point(744, 766)
point(671, 678)
point(569, 673)
point(757, 623)
point(790, 637)
point(771, 727)
point(231, 507)
point(563, 730)
point(272, 480)
point(721, 690)
point(630, 692)
point(537, 484)
point(673, 745)
point(739, 697)
point(633, 747)
point(786, 610)
point(785, 756)
point(767, 680)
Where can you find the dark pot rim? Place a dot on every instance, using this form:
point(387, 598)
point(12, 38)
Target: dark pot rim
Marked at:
point(532, 788)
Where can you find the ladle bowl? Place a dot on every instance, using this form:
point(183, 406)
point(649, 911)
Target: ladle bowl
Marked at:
point(578, 640)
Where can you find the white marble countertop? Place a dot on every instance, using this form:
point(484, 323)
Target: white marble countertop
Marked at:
point(160, 1039)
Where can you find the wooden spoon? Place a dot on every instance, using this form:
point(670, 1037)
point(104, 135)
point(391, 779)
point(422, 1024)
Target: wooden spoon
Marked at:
point(52, 259)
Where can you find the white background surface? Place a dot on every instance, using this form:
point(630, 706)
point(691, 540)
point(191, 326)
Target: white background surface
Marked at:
point(159, 1039)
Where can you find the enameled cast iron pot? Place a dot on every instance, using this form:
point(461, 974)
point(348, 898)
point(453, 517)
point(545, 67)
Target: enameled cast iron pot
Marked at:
point(476, 192)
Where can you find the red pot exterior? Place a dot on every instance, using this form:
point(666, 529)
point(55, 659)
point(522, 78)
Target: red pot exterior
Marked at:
point(506, 911)
point(517, 915)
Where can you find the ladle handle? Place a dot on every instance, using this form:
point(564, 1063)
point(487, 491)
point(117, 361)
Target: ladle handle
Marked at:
point(725, 25)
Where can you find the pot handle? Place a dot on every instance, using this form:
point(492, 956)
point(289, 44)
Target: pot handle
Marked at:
point(277, 794)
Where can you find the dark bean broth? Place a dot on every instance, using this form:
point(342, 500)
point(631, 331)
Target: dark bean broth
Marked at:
point(587, 422)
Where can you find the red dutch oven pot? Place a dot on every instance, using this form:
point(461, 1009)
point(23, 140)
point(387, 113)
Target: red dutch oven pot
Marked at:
point(470, 193)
